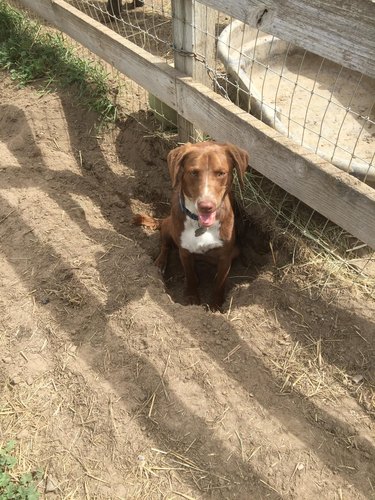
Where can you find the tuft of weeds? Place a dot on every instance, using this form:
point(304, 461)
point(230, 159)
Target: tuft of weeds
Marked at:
point(13, 486)
point(31, 54)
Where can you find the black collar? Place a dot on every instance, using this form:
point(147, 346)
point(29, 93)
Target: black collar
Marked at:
point(186, 210)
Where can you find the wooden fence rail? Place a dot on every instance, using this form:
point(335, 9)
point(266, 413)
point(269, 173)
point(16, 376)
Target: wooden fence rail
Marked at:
point(333, 193)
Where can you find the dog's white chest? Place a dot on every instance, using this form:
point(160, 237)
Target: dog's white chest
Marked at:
point(200, 244)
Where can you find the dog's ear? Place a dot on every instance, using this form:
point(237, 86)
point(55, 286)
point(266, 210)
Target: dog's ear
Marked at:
point(240, 160)
point(175, 159)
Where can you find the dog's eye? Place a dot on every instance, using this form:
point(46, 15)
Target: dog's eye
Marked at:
point(220, 174)
point(194, 173)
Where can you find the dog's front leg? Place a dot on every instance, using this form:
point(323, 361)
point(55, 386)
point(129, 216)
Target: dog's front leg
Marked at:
point(218, 295)
point(165, 244)
point(187, 261)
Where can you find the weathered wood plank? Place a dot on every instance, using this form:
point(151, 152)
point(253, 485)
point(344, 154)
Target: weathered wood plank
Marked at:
point(340, 30)
point(183, 44)
point(341, 198)
point(204, 43)
point(194, 49)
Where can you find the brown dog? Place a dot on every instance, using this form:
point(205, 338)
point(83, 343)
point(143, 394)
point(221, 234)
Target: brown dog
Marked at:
point(201, 223)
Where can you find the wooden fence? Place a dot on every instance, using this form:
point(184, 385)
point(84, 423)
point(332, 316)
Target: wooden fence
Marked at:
point(341, 31)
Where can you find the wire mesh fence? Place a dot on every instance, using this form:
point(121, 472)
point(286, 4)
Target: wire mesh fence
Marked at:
point(322, 106)
point(148, 24)
point(325, 107)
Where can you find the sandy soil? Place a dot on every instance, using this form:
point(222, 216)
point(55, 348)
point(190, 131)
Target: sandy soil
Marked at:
point(113, 386)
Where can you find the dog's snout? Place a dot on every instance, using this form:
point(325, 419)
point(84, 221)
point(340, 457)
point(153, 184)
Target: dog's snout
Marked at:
point(206, 206)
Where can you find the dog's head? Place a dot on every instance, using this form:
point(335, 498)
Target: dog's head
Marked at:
point(203, 173)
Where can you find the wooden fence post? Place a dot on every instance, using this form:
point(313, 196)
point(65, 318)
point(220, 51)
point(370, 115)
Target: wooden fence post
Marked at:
point(194, 51)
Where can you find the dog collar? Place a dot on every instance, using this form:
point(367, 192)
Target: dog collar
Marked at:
point(186, 210)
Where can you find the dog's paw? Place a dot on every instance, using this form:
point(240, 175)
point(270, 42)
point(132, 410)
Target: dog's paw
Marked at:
point(161, 264)
point(213, 307)
point(217, 302)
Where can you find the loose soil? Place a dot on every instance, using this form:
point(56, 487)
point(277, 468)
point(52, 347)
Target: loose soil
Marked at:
point(116, 388)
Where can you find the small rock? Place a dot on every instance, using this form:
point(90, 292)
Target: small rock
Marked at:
point(51, 484)
point(15, 380)
point(357, 379)
point(7, 359)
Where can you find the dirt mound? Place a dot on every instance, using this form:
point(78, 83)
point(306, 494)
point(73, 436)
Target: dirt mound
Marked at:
point(118, 390)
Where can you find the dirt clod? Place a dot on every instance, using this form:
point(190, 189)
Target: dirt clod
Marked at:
point(51, 485)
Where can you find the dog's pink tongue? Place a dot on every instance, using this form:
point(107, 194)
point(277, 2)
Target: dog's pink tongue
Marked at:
point(206, 220)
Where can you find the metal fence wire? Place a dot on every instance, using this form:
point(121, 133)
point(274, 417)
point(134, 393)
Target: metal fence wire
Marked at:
point(148, 24)
point(322, 106)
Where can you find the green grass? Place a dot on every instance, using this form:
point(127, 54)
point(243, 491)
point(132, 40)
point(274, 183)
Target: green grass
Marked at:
point(31, 54)
point(16, 486)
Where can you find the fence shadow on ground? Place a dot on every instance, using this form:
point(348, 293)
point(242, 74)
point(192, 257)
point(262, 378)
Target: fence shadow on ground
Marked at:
point(249, 371)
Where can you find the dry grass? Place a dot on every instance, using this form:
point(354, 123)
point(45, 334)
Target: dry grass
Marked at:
point(325, 253)
point(60, 413)
point(302, 368)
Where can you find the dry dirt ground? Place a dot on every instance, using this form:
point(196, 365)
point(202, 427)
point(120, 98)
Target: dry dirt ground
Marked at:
point(115, 388)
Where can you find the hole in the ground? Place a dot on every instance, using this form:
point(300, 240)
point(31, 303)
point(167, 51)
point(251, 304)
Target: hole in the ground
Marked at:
point(255, 253)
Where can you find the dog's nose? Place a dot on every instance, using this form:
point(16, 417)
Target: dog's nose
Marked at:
point(206, 206)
